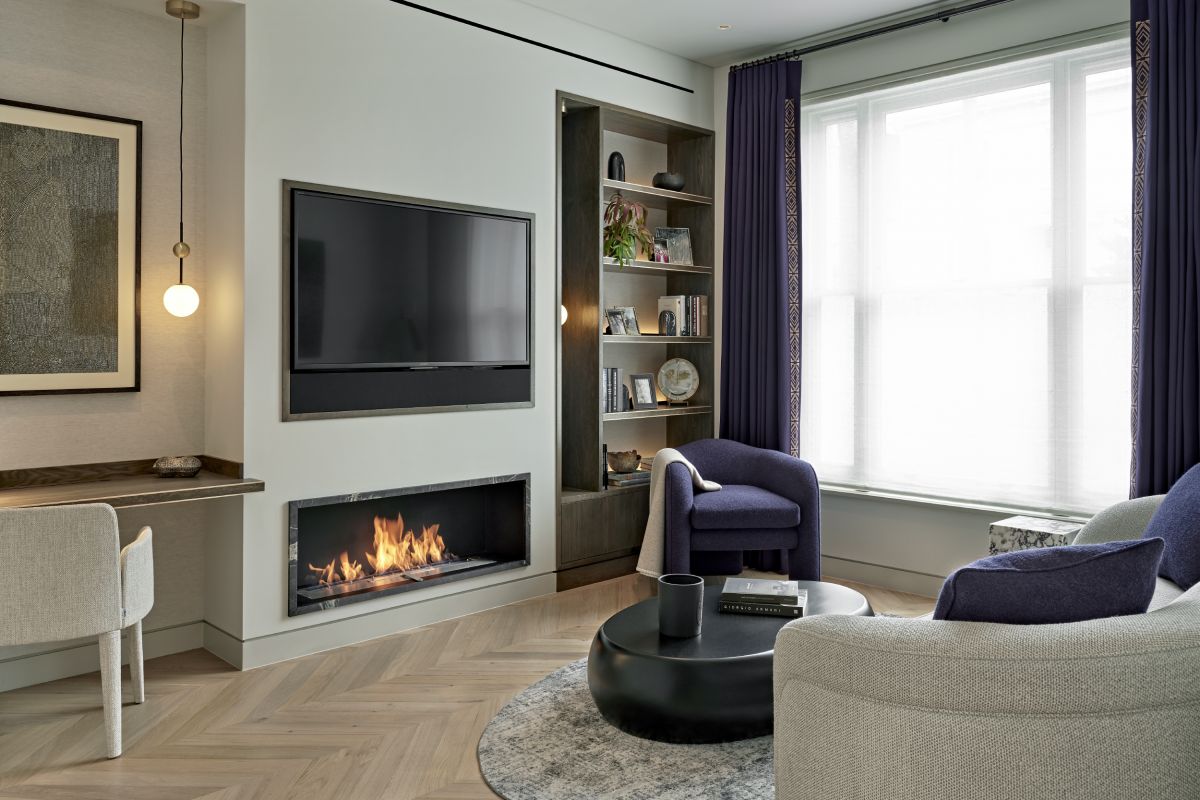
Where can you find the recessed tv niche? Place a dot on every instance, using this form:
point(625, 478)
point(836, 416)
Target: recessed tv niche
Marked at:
point(397, 305)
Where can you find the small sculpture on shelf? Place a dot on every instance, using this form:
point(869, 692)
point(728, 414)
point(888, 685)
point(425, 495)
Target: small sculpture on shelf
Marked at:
point(616, 166)
point(671, 181)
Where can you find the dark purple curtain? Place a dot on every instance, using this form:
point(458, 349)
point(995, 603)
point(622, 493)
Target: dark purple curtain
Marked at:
point(1166, 246)
point(760, 333)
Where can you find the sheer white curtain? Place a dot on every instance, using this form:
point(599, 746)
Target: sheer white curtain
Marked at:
point(967, 284)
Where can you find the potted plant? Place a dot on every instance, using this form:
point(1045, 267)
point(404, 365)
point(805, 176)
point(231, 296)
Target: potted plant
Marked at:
point(625, 230)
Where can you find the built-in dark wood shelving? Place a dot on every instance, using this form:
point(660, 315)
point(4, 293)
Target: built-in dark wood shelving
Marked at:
point(661, 411)
point(640, 267)
point(653, 197)
point(600, 530)
point(654, 338)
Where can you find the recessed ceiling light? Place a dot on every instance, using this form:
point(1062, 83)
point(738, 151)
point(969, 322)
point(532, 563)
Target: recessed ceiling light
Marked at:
point(724, 26)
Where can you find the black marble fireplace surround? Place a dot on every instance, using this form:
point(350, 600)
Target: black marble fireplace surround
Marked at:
point(483, 523)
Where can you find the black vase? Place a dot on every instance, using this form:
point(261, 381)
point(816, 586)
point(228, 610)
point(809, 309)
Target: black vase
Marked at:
point(680, 605)
point(616, 166)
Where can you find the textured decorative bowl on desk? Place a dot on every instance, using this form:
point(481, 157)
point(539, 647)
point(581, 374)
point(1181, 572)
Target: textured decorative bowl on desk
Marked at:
point(177, 466)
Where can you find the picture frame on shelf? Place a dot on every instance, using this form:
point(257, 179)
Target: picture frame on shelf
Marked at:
point(623, 321)
point(679, 244)
point(661, 254)
point(644, 397)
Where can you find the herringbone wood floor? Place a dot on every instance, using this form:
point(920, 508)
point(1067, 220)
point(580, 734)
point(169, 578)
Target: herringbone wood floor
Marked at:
point(394, 718)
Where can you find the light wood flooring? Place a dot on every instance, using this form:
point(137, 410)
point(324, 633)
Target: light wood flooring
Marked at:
point(396, 718)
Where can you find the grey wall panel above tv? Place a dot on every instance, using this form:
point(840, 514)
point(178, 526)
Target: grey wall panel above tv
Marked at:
point(371, 323)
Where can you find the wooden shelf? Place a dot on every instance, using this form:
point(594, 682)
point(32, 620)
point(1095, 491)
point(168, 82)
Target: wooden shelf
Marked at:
point(131, 490)
point(580, 495)
point(653, 197)
point(653, 268)
point(661, 411)
point(653, 338)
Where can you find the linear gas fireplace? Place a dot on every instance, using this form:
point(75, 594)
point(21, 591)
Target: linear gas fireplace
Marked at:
point(370, 544)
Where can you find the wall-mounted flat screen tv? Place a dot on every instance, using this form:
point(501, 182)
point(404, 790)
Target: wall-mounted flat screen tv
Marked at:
point(383, 285)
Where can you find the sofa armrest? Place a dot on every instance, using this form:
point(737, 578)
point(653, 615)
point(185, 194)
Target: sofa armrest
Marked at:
point(878, 707)
point(1121, 521)
point(678, 498)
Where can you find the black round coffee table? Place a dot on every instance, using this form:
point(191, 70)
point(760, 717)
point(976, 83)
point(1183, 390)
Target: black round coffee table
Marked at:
point(713, 688)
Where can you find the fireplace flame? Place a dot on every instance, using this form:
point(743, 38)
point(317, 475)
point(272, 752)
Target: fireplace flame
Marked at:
point(396, 549)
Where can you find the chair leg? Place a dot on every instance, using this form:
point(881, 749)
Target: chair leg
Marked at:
point(110, 683)
point(136, 668)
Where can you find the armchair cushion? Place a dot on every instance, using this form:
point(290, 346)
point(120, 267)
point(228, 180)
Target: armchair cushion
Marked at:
point(738, 506)
point(1054, 584)
point(1177, 522)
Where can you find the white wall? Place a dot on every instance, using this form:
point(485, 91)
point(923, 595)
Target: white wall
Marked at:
point(897, 543)
point(86, 56)
point(376, 96)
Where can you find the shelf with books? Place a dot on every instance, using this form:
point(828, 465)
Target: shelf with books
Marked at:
point(654, 338)
point(653, 268)
point(653, 197)
point(663, 410)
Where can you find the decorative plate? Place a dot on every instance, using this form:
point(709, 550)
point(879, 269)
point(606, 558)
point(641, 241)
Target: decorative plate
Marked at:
point(678, 380)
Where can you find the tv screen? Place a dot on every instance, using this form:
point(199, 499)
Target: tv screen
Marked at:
point(379, 284)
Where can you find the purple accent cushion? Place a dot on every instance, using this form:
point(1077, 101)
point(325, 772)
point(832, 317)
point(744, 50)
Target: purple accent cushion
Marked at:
point(1054, 584)
point(737, 506)
point(1177, 522)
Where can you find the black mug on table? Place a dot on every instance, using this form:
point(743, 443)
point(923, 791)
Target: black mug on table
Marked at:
point(680, 605)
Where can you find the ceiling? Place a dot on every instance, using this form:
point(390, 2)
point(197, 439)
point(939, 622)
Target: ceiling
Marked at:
point(688, 28)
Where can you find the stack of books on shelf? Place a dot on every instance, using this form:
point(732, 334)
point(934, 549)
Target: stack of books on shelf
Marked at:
point(642, 476)
point(690, 311)
point(614, 395)
point(763, 596)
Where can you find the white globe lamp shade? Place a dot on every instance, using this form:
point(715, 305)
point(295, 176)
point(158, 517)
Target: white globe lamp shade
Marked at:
point(562, 315)
point(181, 300)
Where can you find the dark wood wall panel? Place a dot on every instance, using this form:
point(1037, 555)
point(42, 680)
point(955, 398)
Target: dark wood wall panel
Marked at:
point(581, 251)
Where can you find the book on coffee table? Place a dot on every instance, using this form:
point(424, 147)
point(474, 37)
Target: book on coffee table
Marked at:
point(761, 609)
point(762, 591)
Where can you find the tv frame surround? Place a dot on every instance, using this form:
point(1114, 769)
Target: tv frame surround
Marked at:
point(329, 394)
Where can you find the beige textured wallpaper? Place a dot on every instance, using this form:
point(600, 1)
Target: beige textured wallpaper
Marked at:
point(86, 56)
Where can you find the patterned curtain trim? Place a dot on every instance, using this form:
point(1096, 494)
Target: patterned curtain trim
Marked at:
point(791, 188)
point(1141, 118)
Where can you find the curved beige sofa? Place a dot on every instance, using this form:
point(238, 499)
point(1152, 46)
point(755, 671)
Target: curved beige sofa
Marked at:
point(917, 709)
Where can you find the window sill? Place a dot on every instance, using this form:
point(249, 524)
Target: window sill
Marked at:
point(963, 505)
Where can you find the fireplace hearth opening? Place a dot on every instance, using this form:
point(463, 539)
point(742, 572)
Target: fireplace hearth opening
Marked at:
point(366, 545)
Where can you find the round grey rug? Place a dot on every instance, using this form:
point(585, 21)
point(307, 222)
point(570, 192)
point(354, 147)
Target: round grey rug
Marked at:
point(550, 743)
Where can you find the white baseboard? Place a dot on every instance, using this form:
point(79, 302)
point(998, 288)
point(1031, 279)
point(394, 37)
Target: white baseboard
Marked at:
point(81, 657)
point(900, 580)
point(273, 648)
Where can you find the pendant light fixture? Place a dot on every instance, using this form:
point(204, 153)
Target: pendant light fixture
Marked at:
point(181, 299)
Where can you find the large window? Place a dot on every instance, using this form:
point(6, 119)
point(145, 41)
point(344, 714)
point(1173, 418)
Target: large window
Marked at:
point(967, 284)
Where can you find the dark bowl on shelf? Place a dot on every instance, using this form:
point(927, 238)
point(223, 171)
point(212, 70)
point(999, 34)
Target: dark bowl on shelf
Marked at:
point(672, 181)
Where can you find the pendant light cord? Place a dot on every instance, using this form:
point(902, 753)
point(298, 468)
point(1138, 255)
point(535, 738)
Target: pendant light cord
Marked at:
point(182, 23)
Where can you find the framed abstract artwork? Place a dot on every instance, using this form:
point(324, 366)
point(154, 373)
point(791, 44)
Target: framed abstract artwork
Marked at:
point(70, 228)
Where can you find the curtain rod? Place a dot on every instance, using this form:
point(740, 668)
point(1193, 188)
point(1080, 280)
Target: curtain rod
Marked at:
point(943, 15)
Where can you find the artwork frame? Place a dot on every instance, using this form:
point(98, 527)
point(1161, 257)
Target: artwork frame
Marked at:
point(678, 242)
point(622, 320)
point(642, 386)
point(77, 297)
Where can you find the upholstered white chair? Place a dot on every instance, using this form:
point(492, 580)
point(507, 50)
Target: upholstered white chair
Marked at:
point(68, 578)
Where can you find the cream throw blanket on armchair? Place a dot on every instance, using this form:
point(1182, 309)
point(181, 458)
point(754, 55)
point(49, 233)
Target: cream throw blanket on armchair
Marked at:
point(650, 562)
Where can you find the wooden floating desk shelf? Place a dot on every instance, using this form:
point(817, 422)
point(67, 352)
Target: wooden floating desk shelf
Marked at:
point(654, 338)
point(661, 411)
point(120, 484)
point(654, 268)
point(654, 197)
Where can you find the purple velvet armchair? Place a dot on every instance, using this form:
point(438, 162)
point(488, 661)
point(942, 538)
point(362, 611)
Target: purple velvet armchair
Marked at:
point(769, 501)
